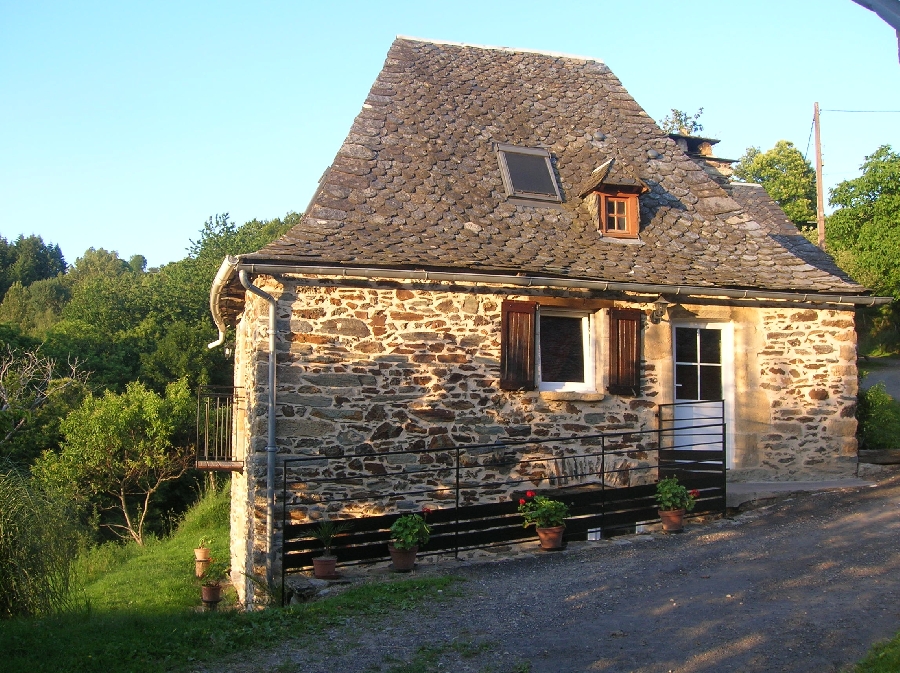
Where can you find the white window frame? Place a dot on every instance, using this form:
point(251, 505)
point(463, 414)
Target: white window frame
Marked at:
point(589, 346)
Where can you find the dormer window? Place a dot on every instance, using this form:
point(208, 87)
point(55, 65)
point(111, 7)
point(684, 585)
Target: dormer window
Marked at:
point(528, 173)
point(618, 215)
point(611, 192)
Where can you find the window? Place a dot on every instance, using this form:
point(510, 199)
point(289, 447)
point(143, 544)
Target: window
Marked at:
point(528, 173)
point(552, 349)
point(618, 215)
point(565, 353)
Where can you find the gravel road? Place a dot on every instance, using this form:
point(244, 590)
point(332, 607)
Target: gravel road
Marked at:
point(807, 583)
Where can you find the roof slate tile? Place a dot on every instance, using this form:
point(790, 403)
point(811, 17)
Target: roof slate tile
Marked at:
point(417, 183)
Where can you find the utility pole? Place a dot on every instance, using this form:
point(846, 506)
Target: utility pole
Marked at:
point(820, 196)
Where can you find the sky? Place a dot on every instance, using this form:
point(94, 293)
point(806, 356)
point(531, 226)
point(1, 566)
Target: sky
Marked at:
point(126, 125)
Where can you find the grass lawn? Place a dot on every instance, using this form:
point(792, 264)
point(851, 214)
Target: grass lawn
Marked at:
point(138, 610)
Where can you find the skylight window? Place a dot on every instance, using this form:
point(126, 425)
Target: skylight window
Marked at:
point(528, 173)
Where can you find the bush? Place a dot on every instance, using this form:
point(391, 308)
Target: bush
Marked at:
point(879, 419)
point(38, 544)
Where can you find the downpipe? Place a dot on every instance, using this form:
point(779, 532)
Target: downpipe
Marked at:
point(271, 448)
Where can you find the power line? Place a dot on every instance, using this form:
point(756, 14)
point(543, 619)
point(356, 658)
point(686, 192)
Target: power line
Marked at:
point(809, 140)
point(866, 111)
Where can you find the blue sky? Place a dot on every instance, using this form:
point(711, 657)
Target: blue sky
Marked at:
point(125, 125)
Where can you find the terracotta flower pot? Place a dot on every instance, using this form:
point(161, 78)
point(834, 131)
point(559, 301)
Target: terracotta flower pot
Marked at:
point(672, 520)
point(211, 594)
point(201, 554)
point(324, 567)
point(552, 537)
point(403, 560)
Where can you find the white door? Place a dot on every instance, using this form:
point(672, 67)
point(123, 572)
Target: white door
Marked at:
point(703, 378)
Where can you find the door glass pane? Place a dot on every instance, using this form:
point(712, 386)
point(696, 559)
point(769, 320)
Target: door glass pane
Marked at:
point(686, 382)
point(710, 346)
point(710, 382)
point(685, 344)
point(562, 349)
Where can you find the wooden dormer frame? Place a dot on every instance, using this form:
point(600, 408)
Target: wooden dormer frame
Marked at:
point(600, 204)
point(618, 214)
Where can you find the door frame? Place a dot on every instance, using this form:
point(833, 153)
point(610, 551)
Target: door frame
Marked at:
point(727, 356)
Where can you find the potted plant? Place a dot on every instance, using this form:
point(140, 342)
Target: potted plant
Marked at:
point(201, 556)
point(547, 516)
point(325, 532)
point(673, 500)
point(211, 585)
point(407, 534)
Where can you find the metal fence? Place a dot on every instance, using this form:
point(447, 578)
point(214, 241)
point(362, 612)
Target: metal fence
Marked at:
point(608, 481)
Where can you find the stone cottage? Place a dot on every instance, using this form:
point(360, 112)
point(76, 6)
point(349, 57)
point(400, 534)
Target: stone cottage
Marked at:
point(507, 246)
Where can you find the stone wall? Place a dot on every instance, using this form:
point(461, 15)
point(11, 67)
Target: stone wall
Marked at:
point(808, 376)
point(372, 367)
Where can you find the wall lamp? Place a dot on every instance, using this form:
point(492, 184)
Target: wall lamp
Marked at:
point(659, 310)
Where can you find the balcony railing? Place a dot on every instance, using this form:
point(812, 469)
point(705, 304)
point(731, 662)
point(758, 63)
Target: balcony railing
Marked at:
point(216, 410)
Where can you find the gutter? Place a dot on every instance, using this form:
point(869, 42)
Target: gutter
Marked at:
point(569, 283)
point(223, 275)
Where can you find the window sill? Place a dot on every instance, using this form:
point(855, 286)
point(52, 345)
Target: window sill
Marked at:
point(627, 240)
point(570, 396)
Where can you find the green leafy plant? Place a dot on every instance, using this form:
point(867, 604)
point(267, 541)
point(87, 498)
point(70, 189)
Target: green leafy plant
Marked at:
point(327, 530)
point(670, 495)
point(542, 512)
point(409, 531)
point(215, 574)
point(204, 542)
point(879, 419)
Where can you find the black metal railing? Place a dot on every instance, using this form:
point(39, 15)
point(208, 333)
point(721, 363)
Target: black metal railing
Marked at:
point(608, 480)
point(216, 409)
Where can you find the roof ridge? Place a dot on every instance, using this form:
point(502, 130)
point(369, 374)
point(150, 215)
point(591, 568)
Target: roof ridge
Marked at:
point(522, 50)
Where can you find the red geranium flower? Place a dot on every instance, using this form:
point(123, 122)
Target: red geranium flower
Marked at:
point(427, 510)
point(695, 493)
point(530, 494)
point(521, 501)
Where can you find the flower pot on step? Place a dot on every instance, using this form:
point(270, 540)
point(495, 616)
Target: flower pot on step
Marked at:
point(551, 538)
point(324, 567)
point(672, 520)
point(201, 560)
point(403, 560)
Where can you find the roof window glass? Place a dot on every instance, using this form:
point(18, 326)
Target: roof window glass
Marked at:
point(528, 173)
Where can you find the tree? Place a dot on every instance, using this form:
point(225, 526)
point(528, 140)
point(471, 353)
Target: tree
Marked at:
point(866, 225)
point(123, 447)
point(682, 122)
point(27, 260)
point(99, 263)
point(28, 382)
point(787, 177)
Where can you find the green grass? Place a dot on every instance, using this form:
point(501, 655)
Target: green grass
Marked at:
point(159, 576)
point(883, 658)
point(138, 611)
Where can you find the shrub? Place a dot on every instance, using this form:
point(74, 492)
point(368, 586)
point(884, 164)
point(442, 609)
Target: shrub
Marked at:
point(879, 419)
point(38, 544)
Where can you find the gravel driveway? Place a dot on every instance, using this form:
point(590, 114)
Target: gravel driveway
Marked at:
point(808, 583)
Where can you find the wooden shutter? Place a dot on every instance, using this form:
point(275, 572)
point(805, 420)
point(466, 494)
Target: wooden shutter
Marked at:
point(517, 347)
point(625, 351)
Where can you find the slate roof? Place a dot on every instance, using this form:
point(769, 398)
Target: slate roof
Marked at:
point(417, 184)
